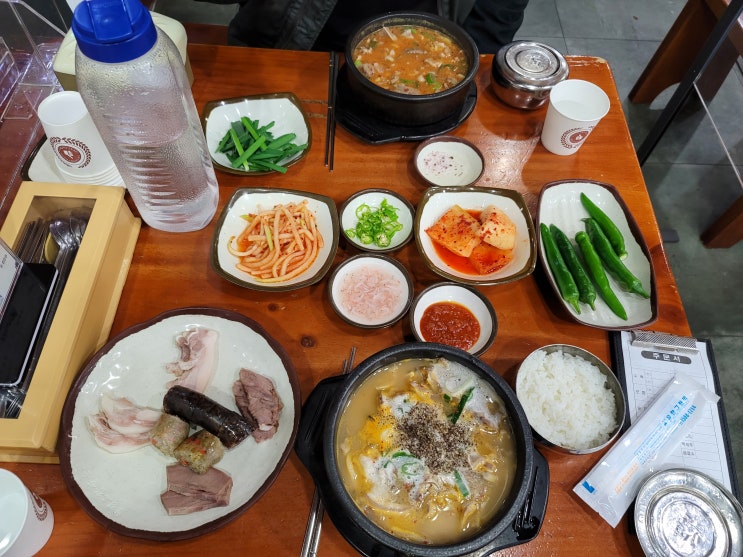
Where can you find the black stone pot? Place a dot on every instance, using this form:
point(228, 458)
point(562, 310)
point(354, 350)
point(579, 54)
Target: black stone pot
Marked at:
point(518, 521)
point(411, 110)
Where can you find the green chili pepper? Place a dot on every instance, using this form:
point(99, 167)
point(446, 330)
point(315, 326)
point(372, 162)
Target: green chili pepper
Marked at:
point(586, 290)
point(460, 407)
point(606, 224)
point(565, 281)
point(596, 270)
point(624, 276)
point(461, 484)
point(375, 225)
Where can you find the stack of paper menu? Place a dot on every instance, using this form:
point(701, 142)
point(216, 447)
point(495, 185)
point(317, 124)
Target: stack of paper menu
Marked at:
point(645, 362)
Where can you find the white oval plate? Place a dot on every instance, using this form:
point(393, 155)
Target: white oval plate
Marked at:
point(559, 204)
point(122, 491)
point(438, 200)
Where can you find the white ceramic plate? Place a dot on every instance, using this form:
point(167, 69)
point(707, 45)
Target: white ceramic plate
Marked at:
point(373, 198)
point(448, 160)
point(438, 200)
point(559, 204)
point(283, 108)
point(122, 491)
point(469, 297)
point(252, 200)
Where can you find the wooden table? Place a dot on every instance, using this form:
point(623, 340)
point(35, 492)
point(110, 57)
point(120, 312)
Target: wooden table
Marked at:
point(172, 270)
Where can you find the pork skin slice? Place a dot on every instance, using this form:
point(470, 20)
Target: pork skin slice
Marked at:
point(112, 440)
point(198, 358)
point(190, 492)
point(126, 417)
point(255, 395)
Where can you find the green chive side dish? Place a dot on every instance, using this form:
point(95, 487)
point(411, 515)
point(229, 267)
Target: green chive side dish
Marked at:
point(250, 146)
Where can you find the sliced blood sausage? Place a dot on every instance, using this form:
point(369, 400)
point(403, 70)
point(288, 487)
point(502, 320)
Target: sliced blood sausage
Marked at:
point(230, 427)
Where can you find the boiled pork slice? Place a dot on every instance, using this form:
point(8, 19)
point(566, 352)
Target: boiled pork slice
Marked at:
point(190, 492)
point(121, 426)
point(198, 358)
point(255, 395)
point(126, 417)
point(112, 440)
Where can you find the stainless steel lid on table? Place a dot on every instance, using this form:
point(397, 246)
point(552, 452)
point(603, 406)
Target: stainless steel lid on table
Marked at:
point(524, 72)
point(681, 512)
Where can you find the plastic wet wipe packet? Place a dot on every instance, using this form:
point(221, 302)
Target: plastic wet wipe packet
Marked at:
point(611, 486)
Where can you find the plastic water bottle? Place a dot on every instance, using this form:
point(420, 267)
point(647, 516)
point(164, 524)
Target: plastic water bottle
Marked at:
point(134, 84)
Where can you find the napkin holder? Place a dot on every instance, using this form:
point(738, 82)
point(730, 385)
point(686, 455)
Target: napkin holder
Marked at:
point(86, 310)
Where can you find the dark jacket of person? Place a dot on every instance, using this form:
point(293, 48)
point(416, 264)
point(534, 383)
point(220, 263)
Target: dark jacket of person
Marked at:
point(297, 24)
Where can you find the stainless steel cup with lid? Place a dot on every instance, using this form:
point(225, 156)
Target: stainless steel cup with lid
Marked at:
point(524, 72)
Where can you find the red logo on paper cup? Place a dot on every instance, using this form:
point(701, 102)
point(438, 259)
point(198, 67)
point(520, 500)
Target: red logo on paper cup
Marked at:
point(573, 138)
point(40, 507)
point(71, 152)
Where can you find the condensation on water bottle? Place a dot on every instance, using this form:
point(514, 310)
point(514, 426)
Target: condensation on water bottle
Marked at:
point(133, 81)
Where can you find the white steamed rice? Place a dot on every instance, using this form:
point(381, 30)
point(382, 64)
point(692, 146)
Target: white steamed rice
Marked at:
point(566, 400)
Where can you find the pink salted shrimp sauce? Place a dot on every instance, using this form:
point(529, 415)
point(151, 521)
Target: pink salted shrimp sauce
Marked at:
point(370, 291)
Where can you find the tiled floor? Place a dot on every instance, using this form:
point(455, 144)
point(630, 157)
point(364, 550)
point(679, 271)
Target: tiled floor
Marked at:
point(688, 175)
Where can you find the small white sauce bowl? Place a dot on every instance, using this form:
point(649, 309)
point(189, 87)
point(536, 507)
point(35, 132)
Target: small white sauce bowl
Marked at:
point(359, 267)
point(467, 296)
point(373, 198)
point(448, 160)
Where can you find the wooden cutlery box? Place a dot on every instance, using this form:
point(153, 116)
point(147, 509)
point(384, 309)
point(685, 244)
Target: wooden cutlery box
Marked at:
point(86, 309)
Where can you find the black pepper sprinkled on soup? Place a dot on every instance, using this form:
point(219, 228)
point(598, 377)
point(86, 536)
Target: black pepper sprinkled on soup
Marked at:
point(426, 450)
point(442, 444)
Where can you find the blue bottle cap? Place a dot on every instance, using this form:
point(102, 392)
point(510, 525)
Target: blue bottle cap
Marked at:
point(113, 30)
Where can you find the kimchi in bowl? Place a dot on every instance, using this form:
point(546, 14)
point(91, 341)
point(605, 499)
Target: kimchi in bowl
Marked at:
point(411, 68)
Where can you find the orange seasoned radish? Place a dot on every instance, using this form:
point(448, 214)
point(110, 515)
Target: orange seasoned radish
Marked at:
point(497, 229)
point(457, 230)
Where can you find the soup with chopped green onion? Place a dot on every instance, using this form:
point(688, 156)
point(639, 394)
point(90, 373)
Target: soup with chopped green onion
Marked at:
point(426, 450)
point(414, 60)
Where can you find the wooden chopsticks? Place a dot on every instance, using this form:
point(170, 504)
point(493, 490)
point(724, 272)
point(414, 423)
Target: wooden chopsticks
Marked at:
point(330, 124)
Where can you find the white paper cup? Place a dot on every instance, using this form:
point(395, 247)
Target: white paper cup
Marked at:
point(26, 520)
point(110, 177)
point(575, 108)
point(78, 147)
